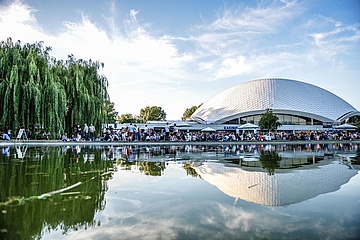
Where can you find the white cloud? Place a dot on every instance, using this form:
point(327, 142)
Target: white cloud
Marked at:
point(148, 68)
point(134, 59)
point(233, 67)
point(18, 19)
point(133, 14)
point(263, 18)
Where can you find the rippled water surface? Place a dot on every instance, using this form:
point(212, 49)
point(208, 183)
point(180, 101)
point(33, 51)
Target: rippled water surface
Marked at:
point(180, 192)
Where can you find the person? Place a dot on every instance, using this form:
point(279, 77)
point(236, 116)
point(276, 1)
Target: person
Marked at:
point(64, 138)
point(167, 132)
point(5, 137)
point(130, 132)
point(146, 129)
point(136, 133)
point(92, 132)
point(78, 136)
point(86, 132)
point(75, 130)
point(176, 129)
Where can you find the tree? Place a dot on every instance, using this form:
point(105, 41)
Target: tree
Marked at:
point(86, 91)
point(153, 113)
point(189, 111)
point(110, 113)
point(37, 90)
point(269, 121)
point(356, 122)
point(129, 118)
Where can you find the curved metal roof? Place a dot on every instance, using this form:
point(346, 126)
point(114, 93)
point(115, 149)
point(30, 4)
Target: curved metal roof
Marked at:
point(280, 95)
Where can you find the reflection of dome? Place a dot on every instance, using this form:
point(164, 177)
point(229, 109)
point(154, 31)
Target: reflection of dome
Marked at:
point(275, 190)
point(283, 96)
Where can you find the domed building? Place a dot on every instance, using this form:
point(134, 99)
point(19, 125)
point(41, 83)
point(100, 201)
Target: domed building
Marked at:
point(299, 105)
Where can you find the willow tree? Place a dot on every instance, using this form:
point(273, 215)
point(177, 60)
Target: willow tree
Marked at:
point(86, 92)
point(38, 90)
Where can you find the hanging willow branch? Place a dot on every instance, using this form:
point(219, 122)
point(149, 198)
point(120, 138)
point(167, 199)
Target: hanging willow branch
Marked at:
point(38, 90)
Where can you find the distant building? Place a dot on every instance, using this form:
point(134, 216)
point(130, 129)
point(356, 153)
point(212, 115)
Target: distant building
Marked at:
point(299, 105)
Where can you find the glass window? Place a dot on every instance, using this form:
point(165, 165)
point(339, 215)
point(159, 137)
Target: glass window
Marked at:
point(302, 121)
point(281, 118)
point(287, 119)
point(294, 120)
point(317, 122)
point(233, 121)
point(257, 119)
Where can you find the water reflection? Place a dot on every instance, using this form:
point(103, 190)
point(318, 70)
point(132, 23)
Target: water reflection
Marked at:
point(32, 197)
point(275, 189)
point(49, 189)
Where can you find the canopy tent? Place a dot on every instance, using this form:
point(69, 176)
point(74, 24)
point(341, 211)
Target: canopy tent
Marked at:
point(208, 129)
point(346, 126)
point(248, 126)
point(180, 124)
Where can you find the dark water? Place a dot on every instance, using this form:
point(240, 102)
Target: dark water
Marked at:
point(180, 192)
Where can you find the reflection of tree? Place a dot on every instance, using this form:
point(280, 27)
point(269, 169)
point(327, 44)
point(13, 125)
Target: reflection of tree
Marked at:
point(356, 160)
point(148, 168)
point(270, 160)
point(124, 164)
point(152, 168)
point(27, 212)
point(189, 170)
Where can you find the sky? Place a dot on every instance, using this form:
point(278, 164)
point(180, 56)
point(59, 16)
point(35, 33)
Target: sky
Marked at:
point(177, 54)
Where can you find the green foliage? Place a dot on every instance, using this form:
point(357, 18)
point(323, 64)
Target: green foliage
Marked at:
point(190, 171)
point(31, 195)
point(270, 161)
point(129, 118)
point(357, 123)
point(269, 121)
point(109, 111)
point(36, 89)
point(153, 113)
point(152, 168)
point(188, 112)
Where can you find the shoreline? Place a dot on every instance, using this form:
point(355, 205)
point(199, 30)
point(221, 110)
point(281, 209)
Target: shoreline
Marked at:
point(162, 143)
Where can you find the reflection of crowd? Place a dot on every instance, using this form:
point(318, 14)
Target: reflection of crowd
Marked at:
point(152, 153)
point(173, 152)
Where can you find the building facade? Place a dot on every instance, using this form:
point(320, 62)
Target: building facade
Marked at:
point(299, 106)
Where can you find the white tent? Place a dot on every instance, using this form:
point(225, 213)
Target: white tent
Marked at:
point(180, 124)
point(208, 129)
point(346, 126)
point(248, 126)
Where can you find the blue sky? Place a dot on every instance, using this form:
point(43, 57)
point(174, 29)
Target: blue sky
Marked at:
point(177, 54)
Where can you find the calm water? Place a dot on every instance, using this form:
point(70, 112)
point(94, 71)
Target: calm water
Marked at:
point(180, 192)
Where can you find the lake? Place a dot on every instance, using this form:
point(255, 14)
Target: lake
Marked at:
point(308, 191)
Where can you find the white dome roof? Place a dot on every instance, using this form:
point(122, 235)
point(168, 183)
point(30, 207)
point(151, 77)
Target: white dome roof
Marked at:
point(280, 95)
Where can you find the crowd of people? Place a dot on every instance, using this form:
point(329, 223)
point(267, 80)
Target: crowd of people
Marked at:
point(79, 134)
point(133, 133)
